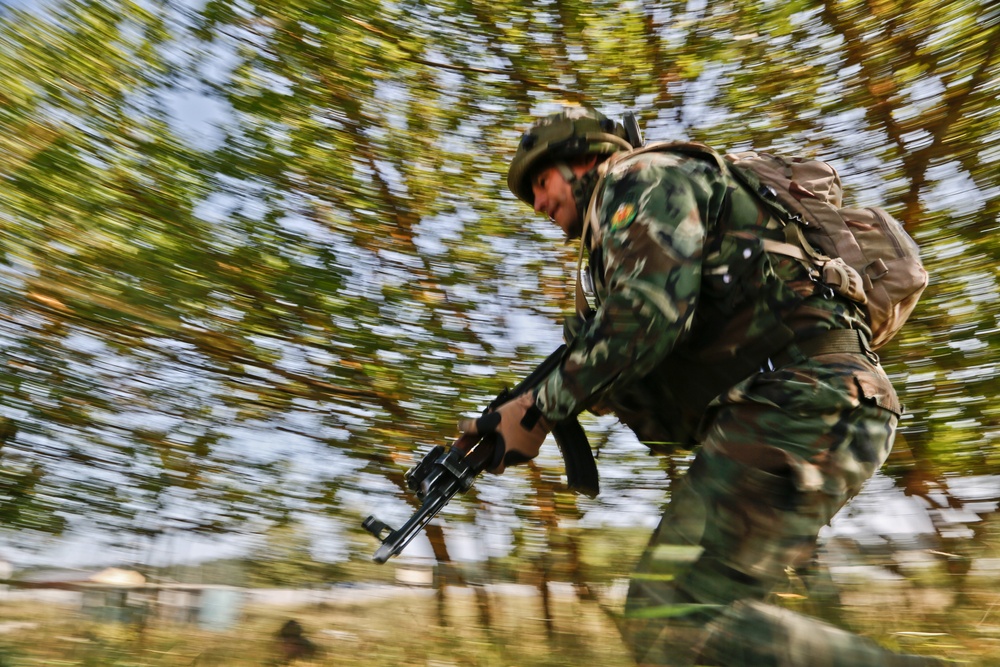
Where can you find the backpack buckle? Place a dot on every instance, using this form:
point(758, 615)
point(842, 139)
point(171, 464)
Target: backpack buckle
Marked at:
point(587, 281)
point(821, 287)
point(767, 192)
point(866, 348)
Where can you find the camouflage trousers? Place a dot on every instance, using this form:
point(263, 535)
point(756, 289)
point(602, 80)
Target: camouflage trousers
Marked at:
point(780, 454)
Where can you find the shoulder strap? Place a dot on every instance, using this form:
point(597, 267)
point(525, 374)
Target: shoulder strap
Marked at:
point(583, 308)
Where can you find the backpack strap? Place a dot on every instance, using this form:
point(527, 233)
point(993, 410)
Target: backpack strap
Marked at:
point(833, 272)
point(583, 309)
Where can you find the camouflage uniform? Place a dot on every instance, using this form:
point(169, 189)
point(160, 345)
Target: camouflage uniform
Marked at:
point(689, 308)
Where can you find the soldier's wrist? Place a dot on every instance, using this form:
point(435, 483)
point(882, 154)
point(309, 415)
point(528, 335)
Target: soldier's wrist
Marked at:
point(534, 414)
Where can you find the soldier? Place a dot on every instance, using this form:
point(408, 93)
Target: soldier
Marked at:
point(701, 339)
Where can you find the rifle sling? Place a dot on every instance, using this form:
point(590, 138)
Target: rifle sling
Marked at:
point(581, 469)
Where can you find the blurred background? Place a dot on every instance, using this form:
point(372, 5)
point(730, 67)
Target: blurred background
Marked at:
point(257, 256)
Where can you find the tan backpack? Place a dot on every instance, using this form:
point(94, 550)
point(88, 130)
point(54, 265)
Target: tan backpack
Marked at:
point(862, 254)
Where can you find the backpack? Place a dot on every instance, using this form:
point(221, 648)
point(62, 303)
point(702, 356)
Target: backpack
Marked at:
point(862, 254)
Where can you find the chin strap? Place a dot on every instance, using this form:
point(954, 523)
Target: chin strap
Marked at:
point(582, 186)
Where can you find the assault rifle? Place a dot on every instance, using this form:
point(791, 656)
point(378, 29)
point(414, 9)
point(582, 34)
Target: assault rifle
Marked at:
point(443, 473)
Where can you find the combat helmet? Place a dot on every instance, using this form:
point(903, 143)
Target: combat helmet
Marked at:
point(573, 132)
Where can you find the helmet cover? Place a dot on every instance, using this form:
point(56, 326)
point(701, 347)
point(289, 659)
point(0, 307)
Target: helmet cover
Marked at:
point(573, 132)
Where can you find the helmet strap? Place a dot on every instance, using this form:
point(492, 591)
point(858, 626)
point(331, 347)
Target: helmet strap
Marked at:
point(583, 188)
point(566, 172)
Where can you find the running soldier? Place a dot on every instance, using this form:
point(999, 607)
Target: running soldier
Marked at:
point(700, 339)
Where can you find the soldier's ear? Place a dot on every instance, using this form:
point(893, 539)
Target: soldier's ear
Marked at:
point(585, 163)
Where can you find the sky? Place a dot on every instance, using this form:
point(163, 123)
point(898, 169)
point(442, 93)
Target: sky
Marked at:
point(880, 510)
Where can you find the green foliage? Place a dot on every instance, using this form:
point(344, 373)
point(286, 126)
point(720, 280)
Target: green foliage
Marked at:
point(222, 328)
point(285, 560)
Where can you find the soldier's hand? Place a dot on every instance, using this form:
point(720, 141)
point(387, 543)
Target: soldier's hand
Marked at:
point(519, 428)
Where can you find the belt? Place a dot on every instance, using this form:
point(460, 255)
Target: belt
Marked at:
point(835, 341)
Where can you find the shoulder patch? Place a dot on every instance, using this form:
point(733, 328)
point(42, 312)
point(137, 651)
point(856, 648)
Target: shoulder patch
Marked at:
point(624, 216)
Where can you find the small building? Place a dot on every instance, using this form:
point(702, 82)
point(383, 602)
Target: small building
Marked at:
point(6, 570)
point(210, 607)
point(115, 595)
point(109, 595)
point(415, 571)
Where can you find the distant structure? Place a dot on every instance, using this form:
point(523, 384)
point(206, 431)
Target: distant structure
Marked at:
point(119, 595)
point(6, 571)
point(415, 571)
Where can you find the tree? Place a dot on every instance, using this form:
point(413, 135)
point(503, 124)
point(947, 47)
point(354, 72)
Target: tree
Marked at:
point(284, 559)
point(207, 335)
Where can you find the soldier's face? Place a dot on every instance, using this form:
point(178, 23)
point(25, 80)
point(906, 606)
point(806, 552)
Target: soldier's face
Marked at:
point(554, 198)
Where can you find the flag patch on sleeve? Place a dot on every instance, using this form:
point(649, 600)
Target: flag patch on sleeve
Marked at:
point(623, 217)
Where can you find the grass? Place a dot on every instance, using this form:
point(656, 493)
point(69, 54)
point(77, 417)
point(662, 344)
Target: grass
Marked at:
point(404, 632)
point(400, 632)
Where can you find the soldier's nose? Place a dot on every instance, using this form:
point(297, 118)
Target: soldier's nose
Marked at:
point(541, 202)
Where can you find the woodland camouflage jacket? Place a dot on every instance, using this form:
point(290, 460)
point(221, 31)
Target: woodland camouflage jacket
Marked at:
point(688, 303)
